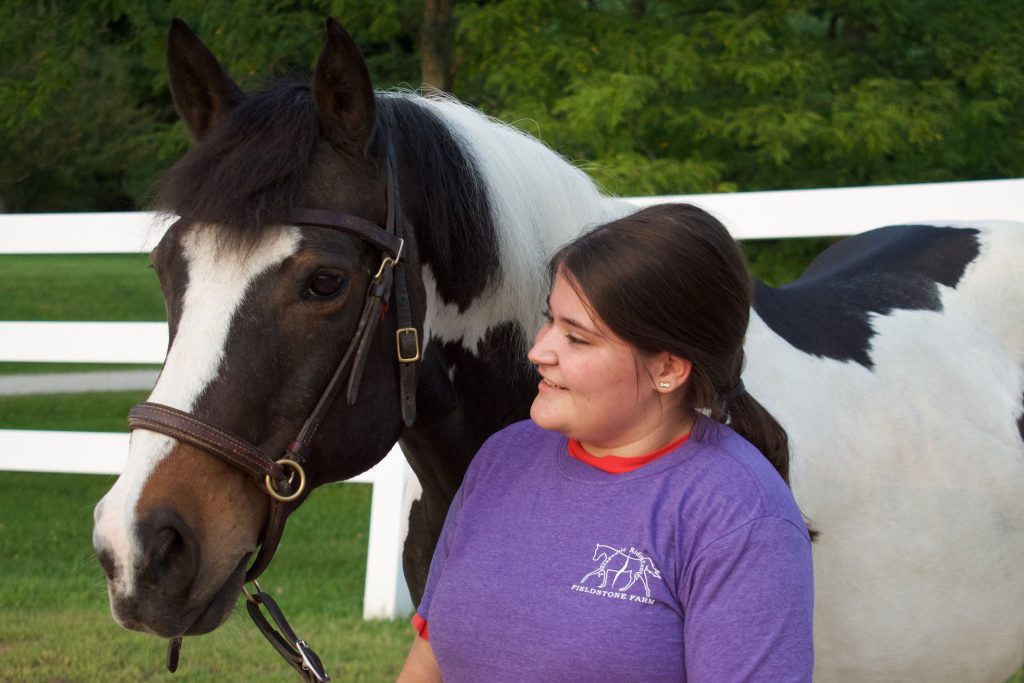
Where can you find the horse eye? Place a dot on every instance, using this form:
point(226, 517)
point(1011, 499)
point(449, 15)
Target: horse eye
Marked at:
point(325, 284)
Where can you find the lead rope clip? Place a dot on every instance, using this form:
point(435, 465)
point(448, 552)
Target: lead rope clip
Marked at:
point(296, 651)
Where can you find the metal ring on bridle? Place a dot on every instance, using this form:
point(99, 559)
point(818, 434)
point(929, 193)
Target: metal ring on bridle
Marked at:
point(249, 596)
point(269, 485)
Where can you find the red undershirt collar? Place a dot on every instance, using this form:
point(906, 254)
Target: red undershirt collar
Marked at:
point(618, 464)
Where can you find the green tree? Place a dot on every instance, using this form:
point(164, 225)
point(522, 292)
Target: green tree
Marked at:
point(673, 97)
point(648, 96)
point(86, 118)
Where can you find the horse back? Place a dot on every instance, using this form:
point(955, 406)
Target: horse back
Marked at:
point(968, 271)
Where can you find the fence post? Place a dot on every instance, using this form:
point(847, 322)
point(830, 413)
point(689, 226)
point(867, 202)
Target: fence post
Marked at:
point(386, 594)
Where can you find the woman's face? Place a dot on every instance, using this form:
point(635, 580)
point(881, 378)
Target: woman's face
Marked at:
point(594, 386)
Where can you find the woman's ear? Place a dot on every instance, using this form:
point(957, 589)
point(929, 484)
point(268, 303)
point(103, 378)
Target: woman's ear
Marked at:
point(669, 371)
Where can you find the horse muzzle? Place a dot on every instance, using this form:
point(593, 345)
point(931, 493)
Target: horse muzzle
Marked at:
point(163, 594)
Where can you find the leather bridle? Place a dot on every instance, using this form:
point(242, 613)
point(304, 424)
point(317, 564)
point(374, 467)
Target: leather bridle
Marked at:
point(284, 479)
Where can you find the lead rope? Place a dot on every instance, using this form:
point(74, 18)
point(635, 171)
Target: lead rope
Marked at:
point(294, 650)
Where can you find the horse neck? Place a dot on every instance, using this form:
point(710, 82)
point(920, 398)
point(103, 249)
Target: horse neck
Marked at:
point(488, 209)
point(535, 201)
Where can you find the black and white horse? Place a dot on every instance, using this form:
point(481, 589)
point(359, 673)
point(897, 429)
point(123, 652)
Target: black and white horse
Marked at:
point(895, 363)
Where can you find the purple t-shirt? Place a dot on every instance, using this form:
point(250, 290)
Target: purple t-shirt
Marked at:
point(694, 567)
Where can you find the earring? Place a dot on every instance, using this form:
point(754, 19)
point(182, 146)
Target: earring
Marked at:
point(665, 385)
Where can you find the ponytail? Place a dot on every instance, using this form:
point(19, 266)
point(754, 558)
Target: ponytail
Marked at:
point(748, 418)
point(717, 389)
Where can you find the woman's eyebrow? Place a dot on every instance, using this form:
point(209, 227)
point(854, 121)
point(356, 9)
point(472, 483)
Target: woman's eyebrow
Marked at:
point(572, 322)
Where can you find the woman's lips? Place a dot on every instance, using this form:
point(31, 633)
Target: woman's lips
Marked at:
point(547, 385)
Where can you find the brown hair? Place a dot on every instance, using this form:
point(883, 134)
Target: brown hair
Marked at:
point(670, 278)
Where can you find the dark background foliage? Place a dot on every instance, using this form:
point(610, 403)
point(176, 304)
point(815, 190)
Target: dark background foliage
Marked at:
point(648, 96)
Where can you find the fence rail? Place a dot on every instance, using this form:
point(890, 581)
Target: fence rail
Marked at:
point(752, 215)
point(748, 215)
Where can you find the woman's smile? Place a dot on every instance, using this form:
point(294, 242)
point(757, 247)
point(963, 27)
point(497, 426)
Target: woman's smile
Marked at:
point(593, 386)
point(548, 385)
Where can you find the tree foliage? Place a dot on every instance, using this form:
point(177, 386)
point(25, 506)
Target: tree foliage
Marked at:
point(649, 96)
point(86, 117)
point(678, 97)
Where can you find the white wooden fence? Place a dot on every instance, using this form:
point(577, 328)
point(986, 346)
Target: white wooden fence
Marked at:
point(752, 215)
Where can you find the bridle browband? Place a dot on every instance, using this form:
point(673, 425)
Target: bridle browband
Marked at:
point(284, 479)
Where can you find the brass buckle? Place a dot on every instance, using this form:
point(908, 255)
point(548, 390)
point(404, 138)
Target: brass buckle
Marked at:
point(388, 261)
point(269, 485)
point(398, 343)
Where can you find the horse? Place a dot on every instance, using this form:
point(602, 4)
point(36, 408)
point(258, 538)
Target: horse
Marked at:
point(631, 557)
point(605, 554)
point(894, 363)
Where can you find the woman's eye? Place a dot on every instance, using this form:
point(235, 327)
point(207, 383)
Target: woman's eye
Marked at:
point(575, 340)
point(325, 284)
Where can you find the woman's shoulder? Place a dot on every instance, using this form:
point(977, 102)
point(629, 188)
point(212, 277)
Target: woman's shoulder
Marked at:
point(734, 482)
point(512, 447)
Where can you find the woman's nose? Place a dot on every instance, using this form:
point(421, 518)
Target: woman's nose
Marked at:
point(541, 352)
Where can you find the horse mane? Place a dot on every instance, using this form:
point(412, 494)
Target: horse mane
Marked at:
point(496, 200)
point(456, 234)
point(537, 200)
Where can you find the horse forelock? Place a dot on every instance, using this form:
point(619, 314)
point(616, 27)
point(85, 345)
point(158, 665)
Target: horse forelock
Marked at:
point(250, 172)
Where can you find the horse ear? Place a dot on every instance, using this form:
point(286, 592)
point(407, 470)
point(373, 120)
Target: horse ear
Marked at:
point(343, 91)
point(203, 92)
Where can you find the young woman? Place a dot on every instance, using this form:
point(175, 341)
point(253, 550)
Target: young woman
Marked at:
point(639, 527)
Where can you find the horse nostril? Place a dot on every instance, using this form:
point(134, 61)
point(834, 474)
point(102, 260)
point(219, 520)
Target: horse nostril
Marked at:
point(106, 559)
point(168, 545)
point(169, 552)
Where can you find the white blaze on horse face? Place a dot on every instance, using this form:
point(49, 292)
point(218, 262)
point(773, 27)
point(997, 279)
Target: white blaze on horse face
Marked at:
point(218, 280)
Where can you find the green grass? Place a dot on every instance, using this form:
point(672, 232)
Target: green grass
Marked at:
point(67, 287)
point(56, 624)
point(38, 368)
point(90, 412)
point(777, 262)
point(79, 287)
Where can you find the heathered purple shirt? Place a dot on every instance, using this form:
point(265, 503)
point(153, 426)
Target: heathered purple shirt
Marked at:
point(694, 567)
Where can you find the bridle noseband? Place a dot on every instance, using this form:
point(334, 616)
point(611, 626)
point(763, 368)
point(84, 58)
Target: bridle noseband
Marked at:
point(284, 479)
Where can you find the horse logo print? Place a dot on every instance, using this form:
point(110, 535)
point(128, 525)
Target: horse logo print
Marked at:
point(622, 568)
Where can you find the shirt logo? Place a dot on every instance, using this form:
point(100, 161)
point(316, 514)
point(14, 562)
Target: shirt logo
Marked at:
point(617, 572)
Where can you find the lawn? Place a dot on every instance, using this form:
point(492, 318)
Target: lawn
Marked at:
point(92, 412)
point(56, 625)
point(79, 287)
point(61, 287)
point(38, 368)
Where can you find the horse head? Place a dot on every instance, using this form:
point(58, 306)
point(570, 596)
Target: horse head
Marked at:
point(262, 307)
